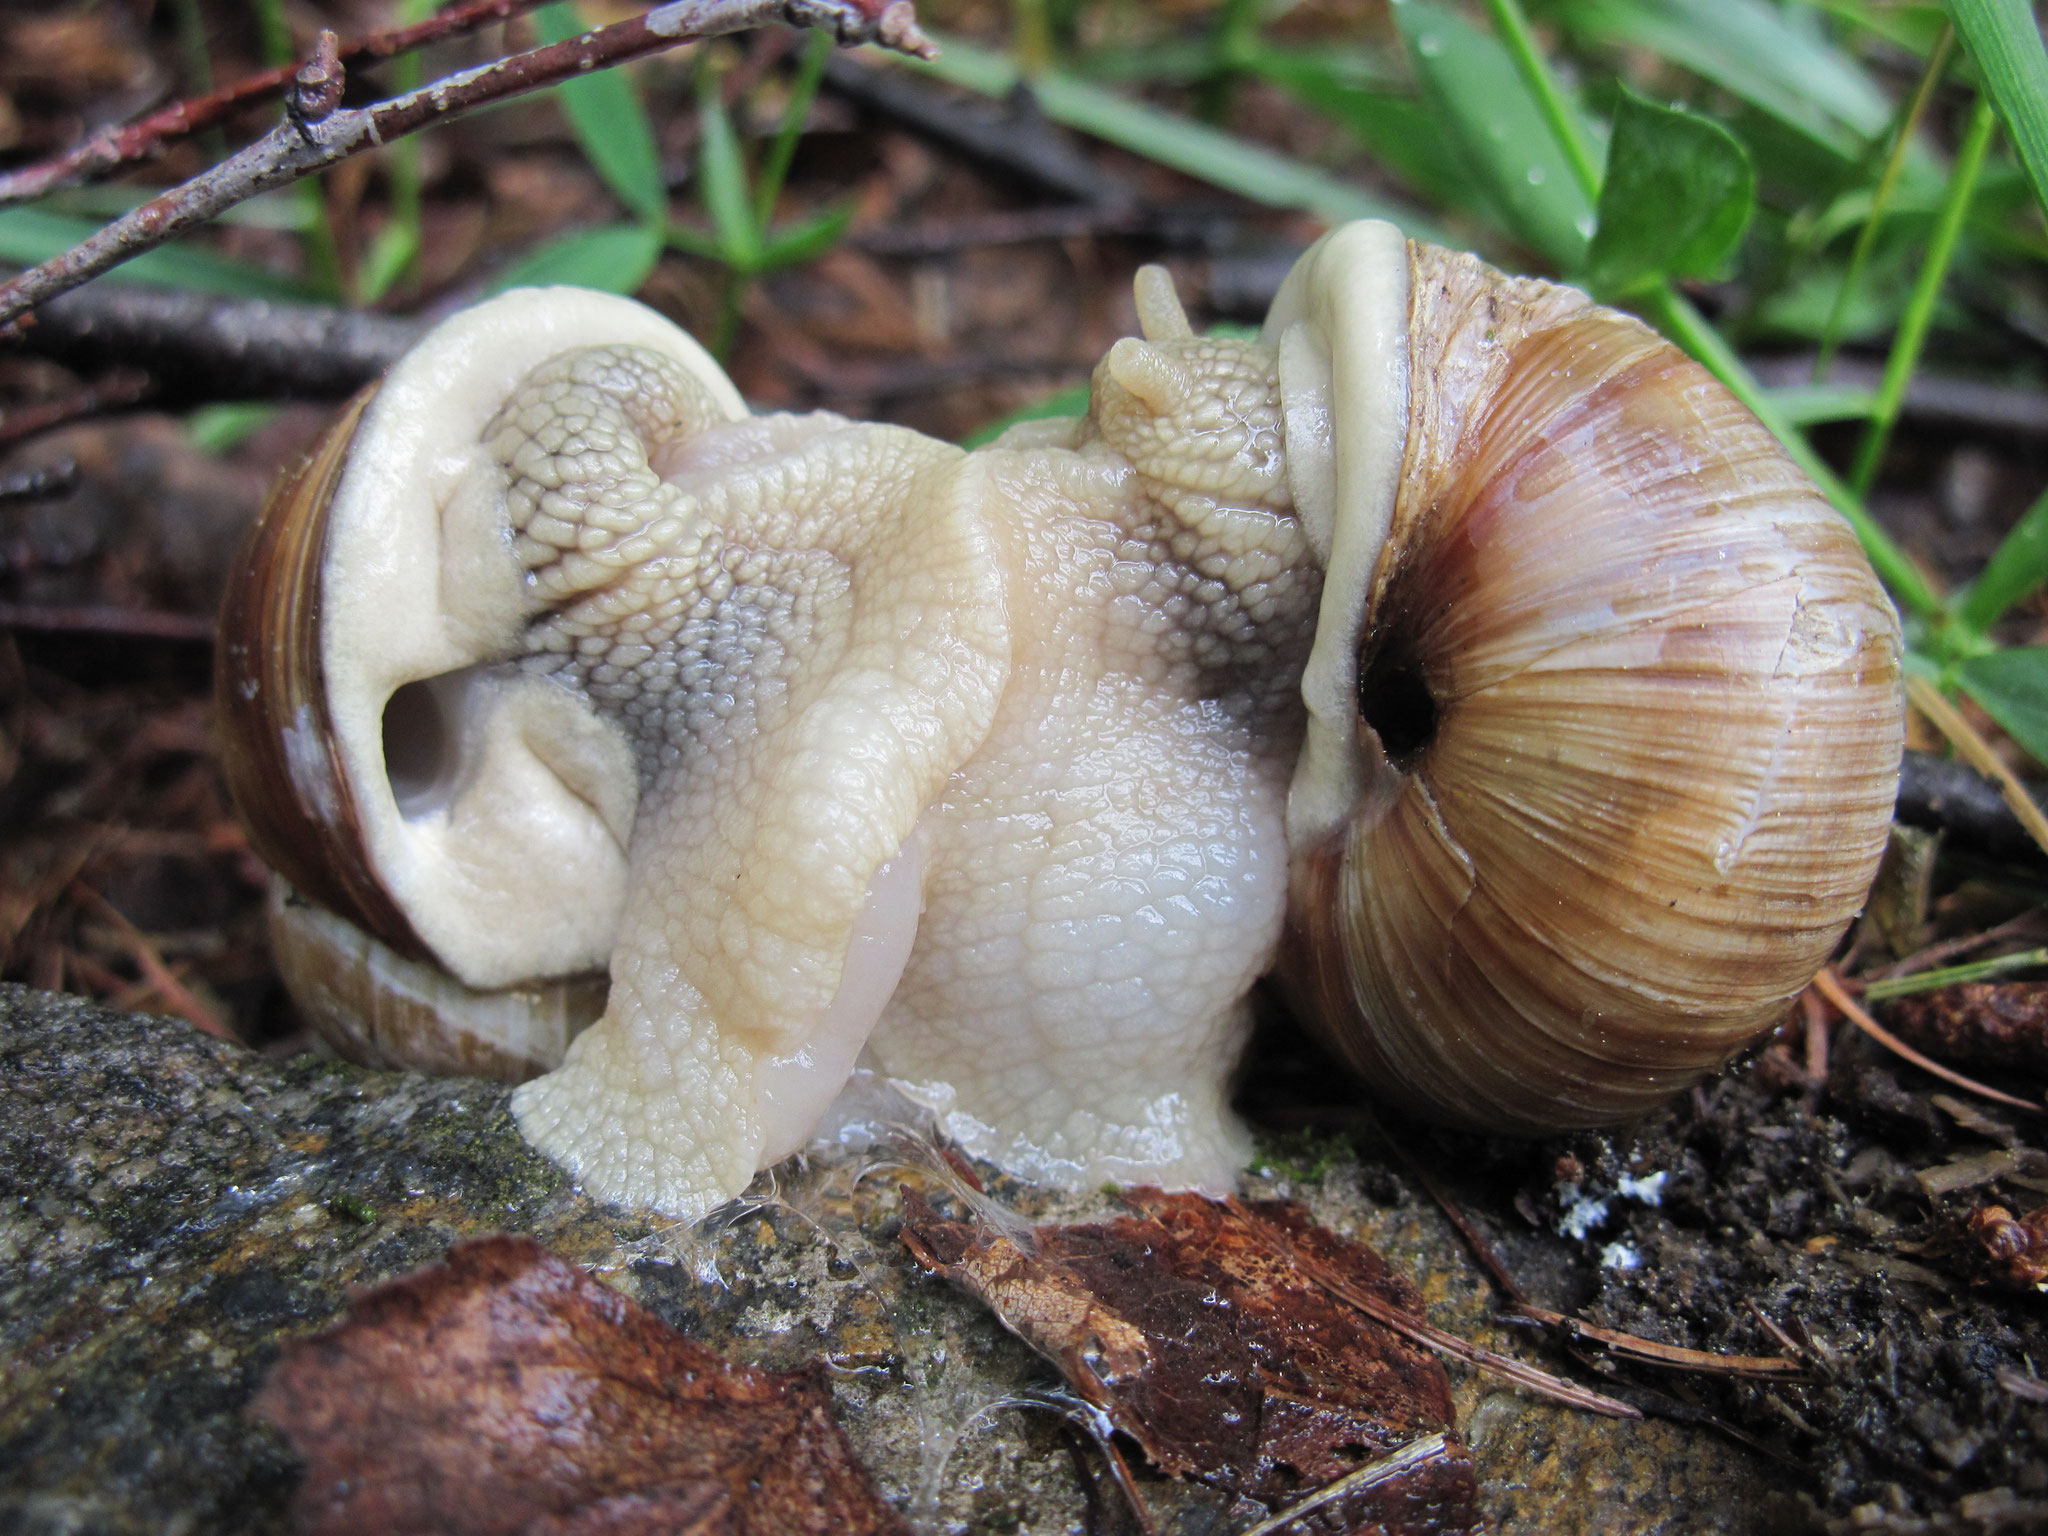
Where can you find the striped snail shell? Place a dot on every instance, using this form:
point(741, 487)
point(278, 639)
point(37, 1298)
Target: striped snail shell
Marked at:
point(1605, 709)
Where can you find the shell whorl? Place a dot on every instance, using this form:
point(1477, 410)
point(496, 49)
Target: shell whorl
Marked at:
point(1629, 725)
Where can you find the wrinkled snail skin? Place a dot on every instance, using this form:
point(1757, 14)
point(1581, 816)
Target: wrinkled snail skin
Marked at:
point(1015, 769)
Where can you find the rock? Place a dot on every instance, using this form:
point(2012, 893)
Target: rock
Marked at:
point(175, 1207)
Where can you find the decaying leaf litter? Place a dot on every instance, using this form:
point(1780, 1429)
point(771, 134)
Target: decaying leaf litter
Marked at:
point(1828, 1204)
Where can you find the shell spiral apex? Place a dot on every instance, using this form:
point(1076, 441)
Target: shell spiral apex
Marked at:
point(1458, 645)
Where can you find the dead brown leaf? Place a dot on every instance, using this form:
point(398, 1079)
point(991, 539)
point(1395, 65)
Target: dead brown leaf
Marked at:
point(1198, 1335)
point(505, 1393)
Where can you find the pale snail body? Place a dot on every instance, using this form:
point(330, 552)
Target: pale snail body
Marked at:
point(1086, 701)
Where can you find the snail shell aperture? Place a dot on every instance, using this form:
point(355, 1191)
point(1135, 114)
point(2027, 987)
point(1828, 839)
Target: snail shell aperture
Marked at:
point(1458, 642)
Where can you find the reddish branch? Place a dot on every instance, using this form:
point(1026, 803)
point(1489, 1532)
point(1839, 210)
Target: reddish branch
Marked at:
point(125, 143)
point(310, 140)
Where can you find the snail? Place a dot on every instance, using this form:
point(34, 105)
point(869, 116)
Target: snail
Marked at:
point(1456, 648)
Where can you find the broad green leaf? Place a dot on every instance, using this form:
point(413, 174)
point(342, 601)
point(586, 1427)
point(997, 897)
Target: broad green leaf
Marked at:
point(29, 236)
point(1485, 112)
point(2016, 570)
point(805, 240)
point(2013, 688)
point(1676, 198)
point(616, 258)
point(1071, 401)
point(2004, 41)
point(722, 180)
point(1252, 171)
point(611, 126)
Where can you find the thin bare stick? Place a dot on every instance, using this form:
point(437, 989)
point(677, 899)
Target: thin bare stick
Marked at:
point(124, 144)
point(1415, 1454)
point(311, 138)
point(1830, 987)
point(116, 392)
point(173, 991)
point(105, 619)
point(1947, 719)
point(1428, 1334)
point(1650, 1352)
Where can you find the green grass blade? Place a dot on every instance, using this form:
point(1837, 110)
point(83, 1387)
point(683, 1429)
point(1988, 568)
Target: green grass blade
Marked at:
point(2004, 41)
point(2012, 686)
point(1880, 199)
point(2016, 570)
point(615, 258)
point(817, 50)
point(1208, 154)
point(1500, 129)
point(1803, 405)
point(1756, 52)
point(722, 179)
point(1511, 27)
point(1394, 127)
point(29, 236)
point(1919, 315)
point(805, 240)
point(610, 125)
point(1954, 975)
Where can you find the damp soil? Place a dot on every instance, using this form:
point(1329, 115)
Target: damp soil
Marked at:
point(1761, 1215)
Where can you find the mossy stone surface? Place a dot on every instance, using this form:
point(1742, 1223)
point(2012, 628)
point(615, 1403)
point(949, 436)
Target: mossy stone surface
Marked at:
point(176, 1208)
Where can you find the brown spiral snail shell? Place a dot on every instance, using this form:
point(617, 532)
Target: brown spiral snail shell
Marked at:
point(1459, 642)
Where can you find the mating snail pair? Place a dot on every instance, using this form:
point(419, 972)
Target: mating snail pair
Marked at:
point(1458, 642)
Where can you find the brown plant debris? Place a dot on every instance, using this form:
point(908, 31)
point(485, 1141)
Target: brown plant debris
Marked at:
point(2010, 1250)
point(505, 1392)
point(1198, 1335)
point(2001, 1024)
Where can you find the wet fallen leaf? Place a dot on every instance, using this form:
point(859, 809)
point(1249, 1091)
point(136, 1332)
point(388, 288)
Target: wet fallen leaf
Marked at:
point(505, 1393)
point(1191, 1326)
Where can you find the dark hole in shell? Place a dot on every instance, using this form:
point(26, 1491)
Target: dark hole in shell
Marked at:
point(1394, 699)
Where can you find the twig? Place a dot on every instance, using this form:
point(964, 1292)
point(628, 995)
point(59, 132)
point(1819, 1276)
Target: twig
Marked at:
point(2028, 924)
point(1785, 1340)
point(1428, 1334)
point(1014, 135)
point(1010, 226)
point(126, 143)
point(173, 991)
point(199, 347)
point(117, 391)
point(1830, 987)
point(1943, 795)
point(138, 623)
point(1816, 1040)
point(1947, 719)
point(1412, 1456)
point(1650, 1352)
point(306, 141)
